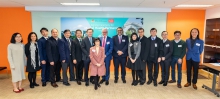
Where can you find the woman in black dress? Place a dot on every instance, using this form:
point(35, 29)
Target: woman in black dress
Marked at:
point(32, 54)
point(134, 62)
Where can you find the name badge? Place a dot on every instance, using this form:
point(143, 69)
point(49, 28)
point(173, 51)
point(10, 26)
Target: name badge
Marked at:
point(155, 44)
point(108, 42)
point(123, 40)
point(93, 50)
point(130, 44)
point(167, 45)
point(197, 44)
point(179, 45)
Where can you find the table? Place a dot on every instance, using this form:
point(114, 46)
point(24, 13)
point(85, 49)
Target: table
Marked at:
point(215, 70)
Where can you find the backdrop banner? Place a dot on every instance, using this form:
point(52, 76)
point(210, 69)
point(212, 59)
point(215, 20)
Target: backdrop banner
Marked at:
point(129, 25)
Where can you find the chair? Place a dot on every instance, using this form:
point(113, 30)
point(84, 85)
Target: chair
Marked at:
point(4, 68)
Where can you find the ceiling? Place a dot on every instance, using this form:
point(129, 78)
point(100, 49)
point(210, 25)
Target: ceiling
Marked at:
point(112, 3)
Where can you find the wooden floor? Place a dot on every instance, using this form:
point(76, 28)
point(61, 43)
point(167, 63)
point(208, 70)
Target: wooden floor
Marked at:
point(112, 91)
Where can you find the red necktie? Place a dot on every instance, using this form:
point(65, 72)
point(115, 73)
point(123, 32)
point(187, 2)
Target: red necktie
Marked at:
point(103, 42)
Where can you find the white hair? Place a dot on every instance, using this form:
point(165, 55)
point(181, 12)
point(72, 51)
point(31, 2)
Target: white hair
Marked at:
point(105, 29)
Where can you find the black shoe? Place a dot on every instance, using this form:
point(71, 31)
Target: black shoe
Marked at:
point(161, 82)
point(149, 82)
point(95, 87)
point(87, 83)
point(142, 83)
point(44, 84)
point(66, 84)
point(35, 84)
point(78, 82)
point(135, 83)
point(31, 85)
point(101, 81)
point(132, 83)
point(165, 84)
point(106, 82)
point(123, 80)
point(99, 85)
point(116, 81)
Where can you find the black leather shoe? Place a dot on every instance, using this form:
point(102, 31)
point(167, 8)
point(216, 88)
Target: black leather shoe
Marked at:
point(107, 82)
point(31, 86)
point(165, 84)
point(87, 84)
point(135, 83)
point(116, 81)
point(149, 82)
point(35, 84)
point(78, 82)
point(101, 81)
point(161, 82)
point(66, 84)
point(123, 80)
point(44, 84)
point(155, 84)
point(96, 87)
point(142, 83)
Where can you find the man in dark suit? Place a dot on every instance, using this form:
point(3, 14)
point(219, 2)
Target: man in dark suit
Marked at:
point(53, 57)
point(45, 65)
point(143, 55)
point(120, 53)
point(166, 58)
point(154, 57)
point(107, 43)
point(77, 56)
point(87, 43)
point(64, 46)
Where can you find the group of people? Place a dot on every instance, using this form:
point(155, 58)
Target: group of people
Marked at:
point(92, 56)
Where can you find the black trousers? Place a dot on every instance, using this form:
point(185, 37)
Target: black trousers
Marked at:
point(32, 77)
point(165, 68)
point(86, 70)
point(152, 75)
point(55, 72)
point(79, 70)
point(189, 65)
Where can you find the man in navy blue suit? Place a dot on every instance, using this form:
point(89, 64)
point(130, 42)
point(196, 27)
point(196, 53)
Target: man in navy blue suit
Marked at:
point(107, 43)
point(45, 65)
point(65, 56)
point(54, 57)
point(120, 53)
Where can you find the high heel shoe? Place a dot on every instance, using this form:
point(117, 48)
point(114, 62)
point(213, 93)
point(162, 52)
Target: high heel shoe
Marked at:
point(21, 89)
point(99, 85)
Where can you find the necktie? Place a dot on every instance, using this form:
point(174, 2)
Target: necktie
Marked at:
point(69, 43)
point(80, 41)
point(90, 40)
point(103, 42)
point(153, 39)
point(119, 39)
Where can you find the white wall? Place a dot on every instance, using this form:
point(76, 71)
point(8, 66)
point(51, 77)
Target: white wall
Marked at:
point(212, 13)
point(51, 20)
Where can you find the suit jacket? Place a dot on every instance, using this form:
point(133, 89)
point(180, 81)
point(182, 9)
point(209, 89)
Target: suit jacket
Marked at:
point(76, 50)
point(42, 48)
point(195, 52)
point(108, 47)
point(97, 58)
point(123, 46)
point(86, 45)
point(168, 50)
point(64, 49)
point(52, 50)
point(158, 49)
point(144, 48)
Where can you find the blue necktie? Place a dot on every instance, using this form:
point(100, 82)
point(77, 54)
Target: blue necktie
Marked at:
point(90, 40)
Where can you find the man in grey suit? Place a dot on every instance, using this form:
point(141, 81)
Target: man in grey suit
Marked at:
point(87, 43)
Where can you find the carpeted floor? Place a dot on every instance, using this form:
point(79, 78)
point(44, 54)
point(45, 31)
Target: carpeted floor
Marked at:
point(112, 91)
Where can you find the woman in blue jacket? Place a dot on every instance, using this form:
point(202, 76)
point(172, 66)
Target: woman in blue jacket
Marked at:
point(195, 47)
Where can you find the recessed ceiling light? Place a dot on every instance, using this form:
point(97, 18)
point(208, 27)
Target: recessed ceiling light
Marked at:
point(183, 5)
point(80, 3)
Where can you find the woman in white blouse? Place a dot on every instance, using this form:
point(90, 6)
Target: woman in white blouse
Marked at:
point(32, 54)
point(17, 61)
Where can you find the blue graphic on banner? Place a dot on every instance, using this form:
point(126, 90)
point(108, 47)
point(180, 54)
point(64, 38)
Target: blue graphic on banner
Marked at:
point(129, 25)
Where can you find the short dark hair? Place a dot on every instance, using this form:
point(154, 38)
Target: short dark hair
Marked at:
point(97, 39)
point(43, 28)
point(135, 35)
point(153, 29)
point(163, 32)
point(13, 37)
point(197, 35)
point(67, 30)
point(119, 28)
point(29, 36)
point(89, 29)
point(78, 30)
point(141, 29)
point(177, 32)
